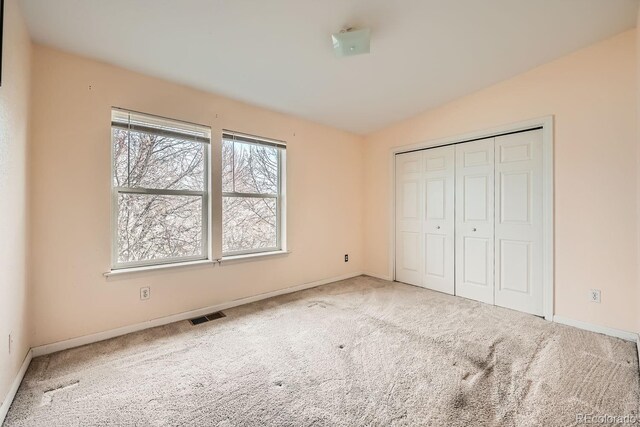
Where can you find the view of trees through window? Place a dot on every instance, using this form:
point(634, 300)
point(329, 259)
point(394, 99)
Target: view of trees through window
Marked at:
point(160, 191)
point(160, 184)
point(250, 186)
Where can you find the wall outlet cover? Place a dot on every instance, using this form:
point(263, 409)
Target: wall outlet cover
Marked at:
point(594, 295)
point(145, 293)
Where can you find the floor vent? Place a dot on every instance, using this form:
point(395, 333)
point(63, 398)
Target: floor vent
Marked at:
point(203, 319)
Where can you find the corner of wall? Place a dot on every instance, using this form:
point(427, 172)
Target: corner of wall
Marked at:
point(638, 167)
point(29, 201)
point(15, 293)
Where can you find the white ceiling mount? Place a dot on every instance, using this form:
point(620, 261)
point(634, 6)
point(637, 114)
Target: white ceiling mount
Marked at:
point(350, 42)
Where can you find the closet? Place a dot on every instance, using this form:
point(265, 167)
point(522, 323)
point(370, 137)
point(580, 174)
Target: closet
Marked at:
point(469, 220)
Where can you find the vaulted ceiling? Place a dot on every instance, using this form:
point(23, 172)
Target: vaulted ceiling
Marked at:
point(278, 53)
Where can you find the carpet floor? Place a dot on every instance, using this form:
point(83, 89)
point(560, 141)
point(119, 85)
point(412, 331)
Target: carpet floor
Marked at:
point(358, 352)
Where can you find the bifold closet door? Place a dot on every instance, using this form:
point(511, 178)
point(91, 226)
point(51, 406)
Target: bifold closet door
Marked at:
point(474, 248)
point(469, 220)
point(425, 218)
point(439, 219)
point(409, 256)
point(518, 227)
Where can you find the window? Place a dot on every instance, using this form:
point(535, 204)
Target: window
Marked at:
point(160, 190)
point(252, 197)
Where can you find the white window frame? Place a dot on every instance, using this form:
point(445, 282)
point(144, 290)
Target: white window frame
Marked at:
point(205, 194)
point(279, 196)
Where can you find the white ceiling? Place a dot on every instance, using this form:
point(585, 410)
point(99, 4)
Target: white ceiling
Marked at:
point(278, 53)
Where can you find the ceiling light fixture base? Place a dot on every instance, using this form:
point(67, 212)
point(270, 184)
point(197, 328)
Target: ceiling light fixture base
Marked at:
point(351, 42)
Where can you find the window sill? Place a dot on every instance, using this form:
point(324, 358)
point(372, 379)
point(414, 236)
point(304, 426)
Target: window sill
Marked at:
point(251, 257)
point(232, 259)
point(147, 268)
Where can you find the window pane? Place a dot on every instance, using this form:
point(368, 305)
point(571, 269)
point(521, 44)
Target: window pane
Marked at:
point(120, 157)
point(248, 223)
point(227, 166)
point(144, 160)
point(154, 227)
point(249, 168)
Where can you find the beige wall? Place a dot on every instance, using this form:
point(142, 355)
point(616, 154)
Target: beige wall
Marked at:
point(593, 95)
point(70, 217)
point(14, 106)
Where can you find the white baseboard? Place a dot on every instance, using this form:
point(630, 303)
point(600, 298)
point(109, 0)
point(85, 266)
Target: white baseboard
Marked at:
point(618, 333)
point(6, 404)
point(112, 333)
point(378, 276)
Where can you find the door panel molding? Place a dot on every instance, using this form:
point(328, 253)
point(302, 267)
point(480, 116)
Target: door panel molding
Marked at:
point(518, 230)
point(439, 219)
point(425, 219)
point(474, 228)
point(408, 218)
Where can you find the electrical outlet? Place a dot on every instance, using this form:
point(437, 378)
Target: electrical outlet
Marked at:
point(594, 295)
point(346, 257)
point(145, 293)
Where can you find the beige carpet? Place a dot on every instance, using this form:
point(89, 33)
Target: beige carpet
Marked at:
point(358, 352)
